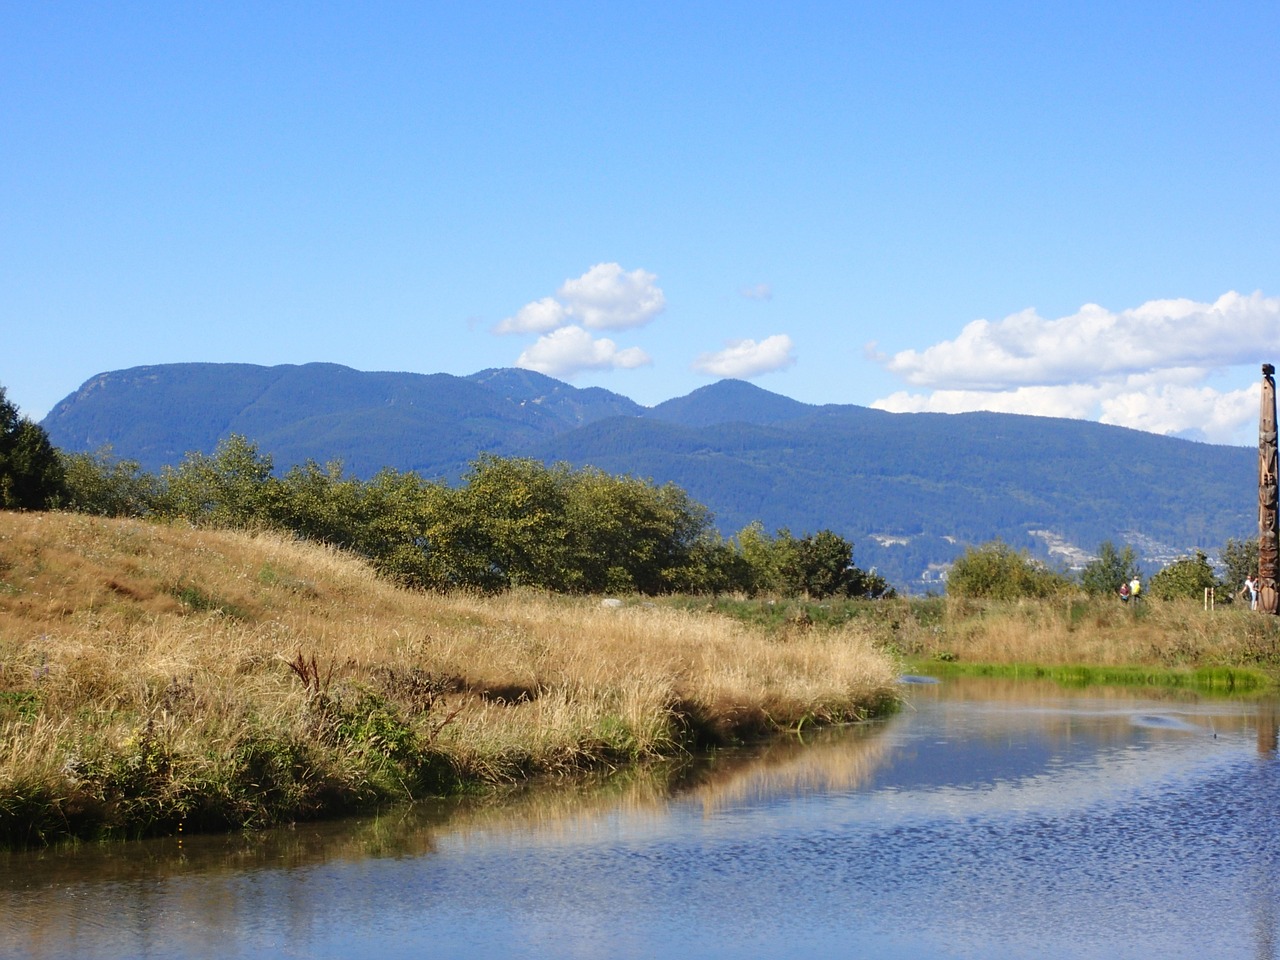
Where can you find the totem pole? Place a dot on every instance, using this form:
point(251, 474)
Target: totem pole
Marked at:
point(1268, 494)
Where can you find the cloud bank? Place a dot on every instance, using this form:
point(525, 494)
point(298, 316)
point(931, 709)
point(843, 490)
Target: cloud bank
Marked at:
point(746, 358)
point(571, 350)
point(606, 297)
point(1147, 367)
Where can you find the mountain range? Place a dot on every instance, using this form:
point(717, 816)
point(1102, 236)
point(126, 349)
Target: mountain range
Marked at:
point(910, 490)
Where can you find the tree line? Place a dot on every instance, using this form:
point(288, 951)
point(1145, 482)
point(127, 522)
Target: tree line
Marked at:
point(517, 522)
point(511, 522)
point(997, 571)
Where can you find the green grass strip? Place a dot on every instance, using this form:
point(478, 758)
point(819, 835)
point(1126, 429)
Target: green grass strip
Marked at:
point(1221, 680)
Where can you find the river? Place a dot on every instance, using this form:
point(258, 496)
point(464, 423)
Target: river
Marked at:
point(986, 819)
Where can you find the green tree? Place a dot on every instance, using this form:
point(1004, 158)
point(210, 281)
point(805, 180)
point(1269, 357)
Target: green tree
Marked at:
point(1240, 557)
point(323, 504)
point(508, 524)
point(624, 533)
point(767, 558)
point(231, 488)
point(817, 565)
point(1105, 573)
point(996, 571)
point(31, 472)
point(405, 526)
point(99, 483)
point(1186, 577)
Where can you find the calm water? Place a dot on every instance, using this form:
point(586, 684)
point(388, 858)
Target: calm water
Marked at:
point(986, 820)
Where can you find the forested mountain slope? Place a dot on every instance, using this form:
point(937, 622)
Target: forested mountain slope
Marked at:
point(909, 489)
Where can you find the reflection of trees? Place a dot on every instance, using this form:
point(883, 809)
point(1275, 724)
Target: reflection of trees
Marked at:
point(1267, 724)
point(129, 883)
point(54, 900)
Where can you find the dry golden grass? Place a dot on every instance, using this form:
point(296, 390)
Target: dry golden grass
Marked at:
point(1096, 632)
point(154, 675)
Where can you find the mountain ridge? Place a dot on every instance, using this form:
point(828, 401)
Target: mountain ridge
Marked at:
point(935, 481)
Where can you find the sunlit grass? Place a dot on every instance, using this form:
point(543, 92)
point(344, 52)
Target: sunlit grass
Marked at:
point(153, 677)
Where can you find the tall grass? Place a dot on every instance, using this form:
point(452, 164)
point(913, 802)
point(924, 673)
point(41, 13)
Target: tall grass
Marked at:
point(157, 678)
point(1169, 639)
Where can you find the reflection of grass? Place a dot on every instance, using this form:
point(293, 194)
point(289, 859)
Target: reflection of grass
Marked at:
point(160, 678)
point(1202, 679)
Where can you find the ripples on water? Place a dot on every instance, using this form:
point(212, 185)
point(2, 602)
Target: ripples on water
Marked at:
point(984, 821)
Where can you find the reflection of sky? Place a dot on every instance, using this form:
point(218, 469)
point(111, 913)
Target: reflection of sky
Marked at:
point(1085, 829)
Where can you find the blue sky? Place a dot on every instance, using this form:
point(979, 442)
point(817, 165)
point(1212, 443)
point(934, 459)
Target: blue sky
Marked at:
point(1057, 208)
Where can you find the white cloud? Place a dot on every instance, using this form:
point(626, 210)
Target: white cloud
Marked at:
point(746, 358)
point(758, 291)
point(536, 317)
point(1025, 348)
point(608, 298)
point(570, 350)
point(1146, 367)
point(1194, 411)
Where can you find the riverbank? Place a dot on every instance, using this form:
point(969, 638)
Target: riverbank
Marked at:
point(160, 679)
point(1080, 639)
point(1074, 640)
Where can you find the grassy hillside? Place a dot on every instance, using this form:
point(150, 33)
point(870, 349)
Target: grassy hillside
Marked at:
point(159, 678)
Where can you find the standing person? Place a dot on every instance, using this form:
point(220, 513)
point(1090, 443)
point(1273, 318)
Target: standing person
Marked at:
point(1251, 590)
point(1135, 587)
point(1124, 593)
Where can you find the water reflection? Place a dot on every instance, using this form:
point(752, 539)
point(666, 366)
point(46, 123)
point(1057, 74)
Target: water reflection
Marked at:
point(988, 818)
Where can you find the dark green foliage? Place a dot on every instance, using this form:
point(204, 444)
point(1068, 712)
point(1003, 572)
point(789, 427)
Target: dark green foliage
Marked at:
point(1240, 558)
point(31, 474)
point(232, 488)
point(743, 452)
point(1186, 577)
point(513, 522)
point(1111, 568)
point(817, 565)
point(627, 534)
point(100, 484)
point(996, 571)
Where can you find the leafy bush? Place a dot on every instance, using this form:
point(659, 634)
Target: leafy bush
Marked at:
point(1186, 577)
point(1104, 574)
point(817, 565)
point(995, 571)
point(513, 522)
point(1240, 557)
point(100, 484)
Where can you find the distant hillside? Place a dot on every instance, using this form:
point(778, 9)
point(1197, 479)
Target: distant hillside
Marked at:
point(904, 486)
point(729, 401)
point(909, 489)
point(434, 423)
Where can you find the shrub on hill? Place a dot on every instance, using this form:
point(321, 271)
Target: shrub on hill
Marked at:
point(996, 571)
point(512, 522)
point(1240, 558)
point(1105, 573)
point(1186, 577)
